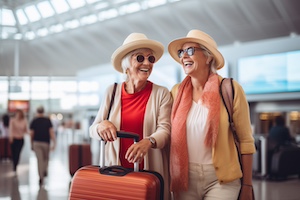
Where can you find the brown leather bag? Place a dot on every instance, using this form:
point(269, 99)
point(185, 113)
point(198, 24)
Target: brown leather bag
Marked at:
point(227, 94)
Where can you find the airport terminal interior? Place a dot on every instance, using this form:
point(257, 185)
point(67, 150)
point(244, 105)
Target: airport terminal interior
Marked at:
point(57, 53)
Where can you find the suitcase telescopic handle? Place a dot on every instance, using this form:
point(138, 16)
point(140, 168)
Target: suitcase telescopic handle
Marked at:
point(134, 136)
point(120, 134)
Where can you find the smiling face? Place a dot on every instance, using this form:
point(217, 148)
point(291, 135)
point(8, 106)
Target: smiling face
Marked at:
point(140, 69)
point(195, 64)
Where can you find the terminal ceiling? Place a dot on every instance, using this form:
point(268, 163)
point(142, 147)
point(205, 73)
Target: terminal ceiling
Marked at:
point(65, 52)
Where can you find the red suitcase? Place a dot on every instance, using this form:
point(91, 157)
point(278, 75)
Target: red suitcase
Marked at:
point(116, 182)
point(79, 155)
point(5, 150)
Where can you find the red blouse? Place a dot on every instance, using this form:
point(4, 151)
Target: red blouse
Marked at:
point(133, 108)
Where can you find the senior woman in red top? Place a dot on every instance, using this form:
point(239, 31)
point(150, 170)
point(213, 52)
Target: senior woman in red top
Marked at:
point(140, 106)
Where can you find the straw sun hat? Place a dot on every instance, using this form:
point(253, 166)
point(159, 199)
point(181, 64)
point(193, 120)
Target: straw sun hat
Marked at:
point(199, 37)
point(132, 42)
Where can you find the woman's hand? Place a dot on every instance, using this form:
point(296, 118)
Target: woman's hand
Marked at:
point(136, 152)
point(247, 193)
point(107, 131)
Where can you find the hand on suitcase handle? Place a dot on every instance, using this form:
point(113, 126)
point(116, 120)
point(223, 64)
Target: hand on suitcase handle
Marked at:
point(107, 130)
point(121, 134)
point(136, 152)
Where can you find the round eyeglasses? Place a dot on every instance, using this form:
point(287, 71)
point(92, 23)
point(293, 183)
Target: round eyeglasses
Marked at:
point(190, 51)
point(141, 58)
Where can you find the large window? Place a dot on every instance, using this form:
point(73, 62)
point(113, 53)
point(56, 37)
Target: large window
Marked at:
point(54, 93)
point(272, 73)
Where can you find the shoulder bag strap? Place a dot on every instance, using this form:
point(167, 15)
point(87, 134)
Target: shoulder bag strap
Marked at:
point(227, 94)
point(112, 100)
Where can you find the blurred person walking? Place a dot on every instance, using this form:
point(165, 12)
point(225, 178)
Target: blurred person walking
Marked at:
point(18, 127)
point(4, 126)
point(5, 149)
point(42, 133)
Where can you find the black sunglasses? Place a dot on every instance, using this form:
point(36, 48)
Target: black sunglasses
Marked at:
point(141, 58)
point(190, 51)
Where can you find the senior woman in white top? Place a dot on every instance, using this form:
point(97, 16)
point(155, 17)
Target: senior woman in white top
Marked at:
point(203, 157)
point(140, 106)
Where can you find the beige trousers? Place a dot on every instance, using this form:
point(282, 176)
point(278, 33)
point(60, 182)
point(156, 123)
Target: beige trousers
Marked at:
point(41, 150)
point(203, 184)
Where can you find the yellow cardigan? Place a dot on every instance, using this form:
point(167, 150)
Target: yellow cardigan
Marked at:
point(224, 153)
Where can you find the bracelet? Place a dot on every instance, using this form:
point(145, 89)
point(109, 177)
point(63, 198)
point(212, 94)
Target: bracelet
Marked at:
point(247, 185)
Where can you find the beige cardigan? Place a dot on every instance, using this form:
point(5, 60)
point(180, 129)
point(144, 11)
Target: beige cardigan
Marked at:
point(224, 154)
point(156, 124)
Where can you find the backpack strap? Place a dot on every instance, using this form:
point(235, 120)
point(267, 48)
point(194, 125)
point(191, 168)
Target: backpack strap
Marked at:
point(227, 94)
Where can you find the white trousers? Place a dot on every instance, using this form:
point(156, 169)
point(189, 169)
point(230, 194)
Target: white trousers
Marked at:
point(204, 185)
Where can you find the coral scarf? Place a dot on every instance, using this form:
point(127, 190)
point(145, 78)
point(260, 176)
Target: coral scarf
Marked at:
point(210, 98)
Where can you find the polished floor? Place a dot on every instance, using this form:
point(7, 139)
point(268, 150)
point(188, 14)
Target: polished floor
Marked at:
point(24, 185)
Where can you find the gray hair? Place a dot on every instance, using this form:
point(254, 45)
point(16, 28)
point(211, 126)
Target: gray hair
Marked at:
point(125, 62)
point(207, 53)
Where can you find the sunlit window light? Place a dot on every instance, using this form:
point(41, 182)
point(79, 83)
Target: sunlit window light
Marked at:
point(18, 96)
point(66, 86)
point(9, 18)
point(88, 100)
point(18, 36)
point(87, 86)
point(10, 29)
point(129, 8)
point(92, 1)
point(120, 1)
point(21, 17)
point(154, 3)
point(30, 35)
point(45, 9)
point(39, 95)
point(4, 35)
point(72, 24)
point(76, 3)
point(3, 86)
point(56, 94)
point(101, 5)
point(39, 86)
point(89, 19)
point(42, 32)
point(32, 13)
point(68, 101)
point(56, 28)
point(108, 14)
point(60, 6)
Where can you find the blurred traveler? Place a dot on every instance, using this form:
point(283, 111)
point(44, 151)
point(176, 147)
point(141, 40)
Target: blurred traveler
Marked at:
point(18, 127)
point(4, 126)
point(204, 163)
point(140, 106)
point(279, 136)
point(42, 133)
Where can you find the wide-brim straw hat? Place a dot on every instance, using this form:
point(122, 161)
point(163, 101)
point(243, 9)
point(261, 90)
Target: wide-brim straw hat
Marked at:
point(132, 42)
point(199, 37)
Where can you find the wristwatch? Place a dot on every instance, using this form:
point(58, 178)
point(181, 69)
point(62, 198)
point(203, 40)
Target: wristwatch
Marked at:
point(153, 142)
